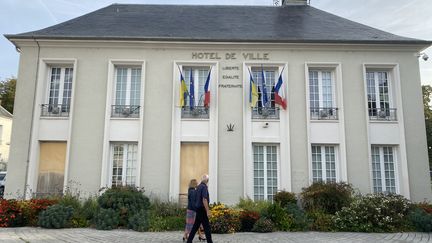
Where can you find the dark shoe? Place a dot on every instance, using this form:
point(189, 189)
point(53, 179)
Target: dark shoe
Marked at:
point(201, 239)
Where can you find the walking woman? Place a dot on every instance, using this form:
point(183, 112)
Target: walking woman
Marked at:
point(190, 213)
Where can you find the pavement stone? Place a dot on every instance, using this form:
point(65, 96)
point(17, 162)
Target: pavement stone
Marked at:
point(39, 235)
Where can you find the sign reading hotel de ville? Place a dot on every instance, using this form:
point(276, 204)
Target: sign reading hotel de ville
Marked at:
point(231, 72)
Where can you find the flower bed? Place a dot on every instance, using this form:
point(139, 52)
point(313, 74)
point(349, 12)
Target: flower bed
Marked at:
point(129, 208)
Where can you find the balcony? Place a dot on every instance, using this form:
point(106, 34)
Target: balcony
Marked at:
point(197, 112)
point(265, 113)
point(125, 111)
point(52, 110)
point(383, 114)
point(324, 113)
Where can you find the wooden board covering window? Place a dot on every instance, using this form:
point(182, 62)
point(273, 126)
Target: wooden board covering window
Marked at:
point(52, 159)
point(194, 158)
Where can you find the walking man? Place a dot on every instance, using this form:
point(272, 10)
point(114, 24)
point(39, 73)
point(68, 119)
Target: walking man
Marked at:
point(202, 210)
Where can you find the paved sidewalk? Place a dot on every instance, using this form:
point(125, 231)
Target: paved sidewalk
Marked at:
point(32, 235)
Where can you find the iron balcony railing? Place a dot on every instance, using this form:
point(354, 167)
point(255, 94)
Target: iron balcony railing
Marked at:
point(324, 113)
point(199, 112)
point(52, 110)
point(383, 114)
point(265, 113)
point(125, 111)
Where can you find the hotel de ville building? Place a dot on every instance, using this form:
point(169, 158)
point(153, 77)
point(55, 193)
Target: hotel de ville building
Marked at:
point(261, 98)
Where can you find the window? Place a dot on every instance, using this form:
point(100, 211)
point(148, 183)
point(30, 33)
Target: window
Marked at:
point(127, 94)
point(322, 95)
point(379, 96)
point(59, 92)
point(265, 159)
point(269, 111)
point(383, 169)
point(324, 163)
point(124, 164)
point(199, 76)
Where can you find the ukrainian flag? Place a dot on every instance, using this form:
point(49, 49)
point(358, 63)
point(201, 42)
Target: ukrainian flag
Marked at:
point(253, 92)
point(183, 90)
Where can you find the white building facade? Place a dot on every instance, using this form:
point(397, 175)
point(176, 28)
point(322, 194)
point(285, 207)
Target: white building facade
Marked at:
point(96, 111)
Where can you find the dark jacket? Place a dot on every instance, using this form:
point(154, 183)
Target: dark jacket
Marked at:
point(191, 199)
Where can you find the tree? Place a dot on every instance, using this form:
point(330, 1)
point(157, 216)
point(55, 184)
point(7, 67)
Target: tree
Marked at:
point(7, 93)
point(427, 95)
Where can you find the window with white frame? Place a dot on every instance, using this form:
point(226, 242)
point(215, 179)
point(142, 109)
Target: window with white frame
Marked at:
point(199, 76)
point(383, 168)
point(322, 97)
point(268, 110)
point(127, 92)
point(380, 104)
point(124, 164)
point(265, 159)
point(324, 163)
point(59, 92)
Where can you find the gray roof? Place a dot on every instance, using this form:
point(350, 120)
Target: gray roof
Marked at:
point(288, 24)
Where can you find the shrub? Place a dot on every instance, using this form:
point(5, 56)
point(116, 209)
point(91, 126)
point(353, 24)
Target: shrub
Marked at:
point(55, 217)
point(139, 221)
point(89, 208)
point(300, 220)
point(263, 225)
point(320, 221)
point(32, 208)
point(106, 219)
point(125, 201)
point(420, 220)
point(224, 220)
point(280, 218)
point(425, 206)
point(327, 197)
point(248, 219)
point(170, 223)
point(284, 198)
point(255, 206)
point(10, 213)
point(374, 213)
point(167, 209)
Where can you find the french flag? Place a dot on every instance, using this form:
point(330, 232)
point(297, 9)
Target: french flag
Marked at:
point(207, 91)
point(279, 92)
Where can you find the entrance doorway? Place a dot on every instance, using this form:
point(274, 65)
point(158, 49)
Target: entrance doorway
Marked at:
point(194, 160)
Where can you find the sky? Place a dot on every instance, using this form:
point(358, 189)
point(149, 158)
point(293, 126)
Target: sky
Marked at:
point(410, 18)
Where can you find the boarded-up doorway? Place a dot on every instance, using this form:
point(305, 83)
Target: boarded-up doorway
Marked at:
point(194, 160)
point(52, 159)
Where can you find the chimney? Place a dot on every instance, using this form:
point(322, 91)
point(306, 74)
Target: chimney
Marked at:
point(295, 2)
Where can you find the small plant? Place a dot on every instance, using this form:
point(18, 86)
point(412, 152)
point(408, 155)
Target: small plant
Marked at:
point(89, 208)
point(263, 225)
point(106, 219)
point(301, 222)
point(255, 206)
point(248, 219)
point(170, 223)
point(374, 213)
point(281, 219)
point(327, 197)
point(224, 220)
point(420, 220)
point(139, 221)
point(10, 213)
point(32, 208)
point(55, 217)
point(125, 201)
point(320, 221)
point(284, 198)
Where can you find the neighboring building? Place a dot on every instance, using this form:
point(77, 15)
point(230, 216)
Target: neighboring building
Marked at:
point(5, 136)
point(98, 103)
